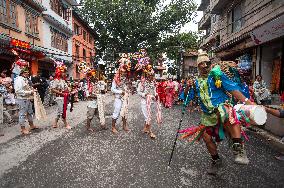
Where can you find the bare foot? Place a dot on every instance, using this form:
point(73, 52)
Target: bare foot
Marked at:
point(68, 127)
point(125, 128)
point(91, 130)
point(25, 132)
point(146, 129)
point(114, 130)
point(54, 126)
point(152, 136)
point(34, 127)
point(104, 127)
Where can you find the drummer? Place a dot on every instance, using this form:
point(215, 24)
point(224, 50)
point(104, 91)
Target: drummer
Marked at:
point(215, 89)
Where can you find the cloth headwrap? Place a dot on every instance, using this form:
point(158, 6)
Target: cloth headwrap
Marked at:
point(202, 57)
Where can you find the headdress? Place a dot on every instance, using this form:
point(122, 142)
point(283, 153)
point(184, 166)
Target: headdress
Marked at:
point(202, 57)
point(25, 70)
point(60, 68)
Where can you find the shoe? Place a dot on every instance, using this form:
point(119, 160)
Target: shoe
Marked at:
point(280, 158)
point(214, 167)
point(240, 154)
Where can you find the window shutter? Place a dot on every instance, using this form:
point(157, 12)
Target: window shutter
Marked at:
point(68, 14)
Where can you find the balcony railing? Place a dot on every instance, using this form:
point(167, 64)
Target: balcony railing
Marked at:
point(205, 21)
point(218, 5)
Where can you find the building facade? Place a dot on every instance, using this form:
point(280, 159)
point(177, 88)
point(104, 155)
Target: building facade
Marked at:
point(83, 43)
point(20, 30)
point(248, 30)
point(251, 32)
point(58, 33)
point(189, 66)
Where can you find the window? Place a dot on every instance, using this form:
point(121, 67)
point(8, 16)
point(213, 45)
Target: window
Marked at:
point(235, 20)
point(90, 59)
point(59, 40)
point(77, 29)
point(77, 51)
point(84, 35)
point(61, 9)
point(84, 55)
point(90, 39)
point(8, 13)
point(214, 18)
point(31, 24)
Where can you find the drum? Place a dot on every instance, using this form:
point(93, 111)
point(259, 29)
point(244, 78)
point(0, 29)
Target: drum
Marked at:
point(255, 113)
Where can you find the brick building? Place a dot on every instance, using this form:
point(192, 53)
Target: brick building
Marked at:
point(83, 43)
point(20, 29)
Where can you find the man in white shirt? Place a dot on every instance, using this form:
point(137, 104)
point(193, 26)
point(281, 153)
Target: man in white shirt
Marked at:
point(120, 88)
point(24, 93)
point(96, 104)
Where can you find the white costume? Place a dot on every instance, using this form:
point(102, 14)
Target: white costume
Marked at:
point(24, 97)
point(97, 103)
point(120, 102)
point(147, 91)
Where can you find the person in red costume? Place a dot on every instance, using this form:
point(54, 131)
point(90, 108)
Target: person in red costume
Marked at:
point(170, 91)
point(60, 89)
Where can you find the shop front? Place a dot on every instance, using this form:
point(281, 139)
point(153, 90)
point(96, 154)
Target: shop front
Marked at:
point(269, 39)
point(24, 51)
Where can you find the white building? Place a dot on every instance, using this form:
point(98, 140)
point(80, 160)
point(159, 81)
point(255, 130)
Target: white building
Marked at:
point(57, 27)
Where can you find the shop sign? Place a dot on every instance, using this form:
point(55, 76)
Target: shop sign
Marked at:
point(20, 44)
point(268, 31)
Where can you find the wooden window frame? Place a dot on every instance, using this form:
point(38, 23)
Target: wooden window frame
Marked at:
point(9, 13)
point(31, 24)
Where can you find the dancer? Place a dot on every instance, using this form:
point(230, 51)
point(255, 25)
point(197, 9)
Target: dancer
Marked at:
point(96, 104)
point(59, 88)
point(147, 91)
point(215, 90)
point(120, 88)
point(170, 90)
point(24, 93)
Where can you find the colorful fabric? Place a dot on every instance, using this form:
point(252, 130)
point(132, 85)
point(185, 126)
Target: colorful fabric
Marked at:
point(170, 91)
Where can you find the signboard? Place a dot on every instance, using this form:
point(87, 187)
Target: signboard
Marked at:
point(20, 44)
point(268, 31)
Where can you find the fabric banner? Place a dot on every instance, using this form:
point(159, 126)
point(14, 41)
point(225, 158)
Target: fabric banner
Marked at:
point(268, 31)
point(40, 113)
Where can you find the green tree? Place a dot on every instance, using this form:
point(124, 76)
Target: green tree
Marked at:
point(127, 25)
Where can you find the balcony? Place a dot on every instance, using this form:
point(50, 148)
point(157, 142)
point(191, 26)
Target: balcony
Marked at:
point(218, 5)
point(37, 4)
point(209, 40)
point(205, 21)
point(203, 6)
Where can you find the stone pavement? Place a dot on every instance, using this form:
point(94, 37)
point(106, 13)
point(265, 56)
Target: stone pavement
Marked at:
point(76, 158)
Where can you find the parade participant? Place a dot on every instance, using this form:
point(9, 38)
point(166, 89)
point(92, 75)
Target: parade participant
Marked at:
point(120, 88)
point(215, 89)
point(161, 91)
point(170, 90)
point(96, 98)
point(60, 89)
point(24, 93)
point(147, 91)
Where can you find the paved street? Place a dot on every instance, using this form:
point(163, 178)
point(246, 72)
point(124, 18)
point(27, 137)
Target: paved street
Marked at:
point(76, 158)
